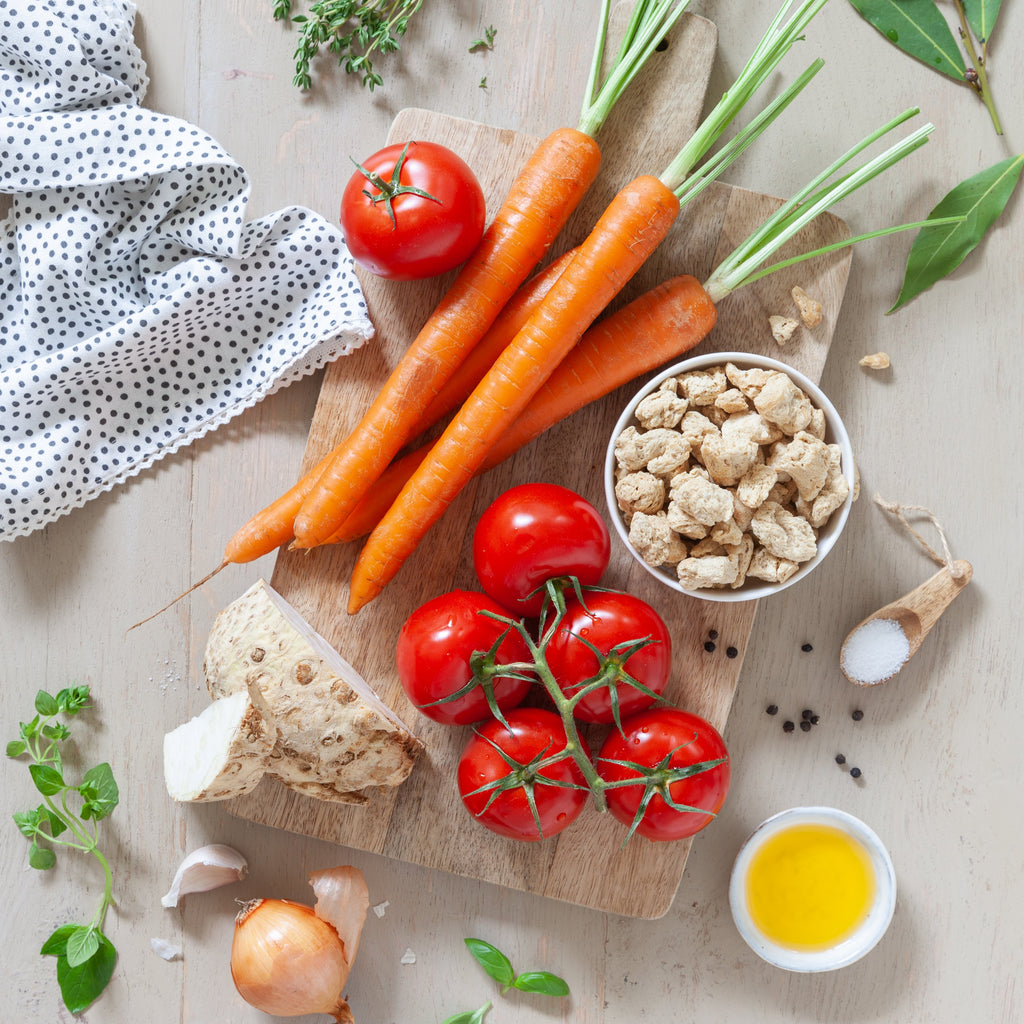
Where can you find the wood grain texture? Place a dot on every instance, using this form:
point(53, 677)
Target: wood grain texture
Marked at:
point(939, 746)
point(423, 822)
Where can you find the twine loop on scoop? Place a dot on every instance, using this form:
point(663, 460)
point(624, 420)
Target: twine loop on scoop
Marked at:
point(897, 509)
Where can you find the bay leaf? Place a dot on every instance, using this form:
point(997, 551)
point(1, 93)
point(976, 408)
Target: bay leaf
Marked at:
point(917, 27)
point(981, 16)
point(978, 200)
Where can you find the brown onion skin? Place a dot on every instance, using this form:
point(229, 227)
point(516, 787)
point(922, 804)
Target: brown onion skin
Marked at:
point(287, 962)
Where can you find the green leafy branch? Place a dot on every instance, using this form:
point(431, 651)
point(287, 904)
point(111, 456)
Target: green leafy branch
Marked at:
point(353, 30)
point(499, 967)
point(919, 28)
point(85, 956)
point(485, 43)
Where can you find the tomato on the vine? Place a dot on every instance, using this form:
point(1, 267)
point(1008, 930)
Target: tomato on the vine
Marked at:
point(535, 532)
point(412, 210)
point(440, 646)
point(664, 743)
point(603, 635)
point(513, 799)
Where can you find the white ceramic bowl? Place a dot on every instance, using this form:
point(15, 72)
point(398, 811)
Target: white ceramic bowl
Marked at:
point(850, 949)
point(835, 433)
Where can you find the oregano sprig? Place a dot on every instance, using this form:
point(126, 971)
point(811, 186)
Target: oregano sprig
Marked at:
point(68, 817)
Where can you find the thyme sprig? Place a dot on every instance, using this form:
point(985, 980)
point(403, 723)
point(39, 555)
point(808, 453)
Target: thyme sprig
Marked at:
point(354, 31)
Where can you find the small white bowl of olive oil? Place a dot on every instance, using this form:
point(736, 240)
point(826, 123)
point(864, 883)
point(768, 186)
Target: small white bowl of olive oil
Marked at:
point(812, 889)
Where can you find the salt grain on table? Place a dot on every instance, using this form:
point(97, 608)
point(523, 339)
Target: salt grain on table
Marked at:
point(875, 651)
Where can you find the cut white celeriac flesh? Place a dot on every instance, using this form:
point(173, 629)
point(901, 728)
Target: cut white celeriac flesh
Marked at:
point(336, 737)
point(221, 753)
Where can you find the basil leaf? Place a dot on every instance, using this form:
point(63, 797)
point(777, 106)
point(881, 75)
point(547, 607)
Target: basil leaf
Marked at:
point(917, 27)
point(16, 748)
point(48, 780)
point(492, 960)
point(542, 982)
point(99, 790)
point(81, 946)
point(42, 858)
point(981, 16)
point(936, 251)
point(81, 984)
point(46, 705)
point(57, 943)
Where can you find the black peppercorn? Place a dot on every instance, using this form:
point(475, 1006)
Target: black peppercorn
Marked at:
point(731, 652)
point(857, 715)
point(806, 648)
point(814, 719)
point(805, 725)
point(772, 709)
point(709, 646)
point(806, 714)
point(788, 726)
point(840, 759)
point(713, 634)
point(855, 772)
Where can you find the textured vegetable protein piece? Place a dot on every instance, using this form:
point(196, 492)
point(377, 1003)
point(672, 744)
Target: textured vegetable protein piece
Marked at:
point(875, 651)
point(335, 736)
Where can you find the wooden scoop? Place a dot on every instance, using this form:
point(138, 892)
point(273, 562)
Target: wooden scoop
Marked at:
point(916, 612)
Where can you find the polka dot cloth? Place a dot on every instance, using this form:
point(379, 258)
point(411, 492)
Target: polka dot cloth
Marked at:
point(138, 309)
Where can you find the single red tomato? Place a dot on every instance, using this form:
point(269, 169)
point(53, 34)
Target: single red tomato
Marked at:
point(535, 532)
point(496, 793)
point(611, 623)
point(412, 210)
point(440, 645)
point(669, 742)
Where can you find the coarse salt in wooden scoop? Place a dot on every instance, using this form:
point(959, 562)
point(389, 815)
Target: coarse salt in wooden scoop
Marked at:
point(877, 648)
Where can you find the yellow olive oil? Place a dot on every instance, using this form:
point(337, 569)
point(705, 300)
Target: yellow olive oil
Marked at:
point(809, 887)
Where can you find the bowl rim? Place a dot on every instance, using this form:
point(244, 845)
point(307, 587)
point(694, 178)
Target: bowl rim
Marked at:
point(836, 433)
point(854, 946)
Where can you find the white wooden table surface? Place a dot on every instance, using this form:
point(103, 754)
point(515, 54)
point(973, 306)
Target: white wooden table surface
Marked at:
point(939, 748)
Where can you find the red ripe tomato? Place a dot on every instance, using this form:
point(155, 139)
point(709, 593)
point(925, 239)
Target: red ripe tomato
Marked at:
point(611, 622)
point(435, 657)
point(665, 738)
point(412, 210)
point(536, 532)
point(533, 735)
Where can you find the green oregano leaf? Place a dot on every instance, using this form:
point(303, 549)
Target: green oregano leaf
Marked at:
point(936, 251)
point(46, 705)
point(542, 983)
point(42, 858)
point(16, 748)
point(99, 790)
point(82, 983)
point(27, 822)
point(917, 27)
point(492, 960)
point(57, 943)
point(82, 945)
point(981, 16)
point(47, 780)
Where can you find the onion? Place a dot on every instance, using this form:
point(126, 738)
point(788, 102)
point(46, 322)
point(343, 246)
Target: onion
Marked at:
point(286, 961)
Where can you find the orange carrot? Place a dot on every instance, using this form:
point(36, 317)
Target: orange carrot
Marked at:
point(545, 193)
point(653, 329)
point(542, 197)
point(629, 230)
point(273, 526)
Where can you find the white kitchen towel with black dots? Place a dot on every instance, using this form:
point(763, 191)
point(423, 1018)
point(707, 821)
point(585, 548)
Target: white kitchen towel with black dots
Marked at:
point(138, 309)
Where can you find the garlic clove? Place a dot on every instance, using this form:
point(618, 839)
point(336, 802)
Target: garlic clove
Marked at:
point(206, 868)
point(342, 900)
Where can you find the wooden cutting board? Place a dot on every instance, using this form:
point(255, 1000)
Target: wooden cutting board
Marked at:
point(423, 821)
